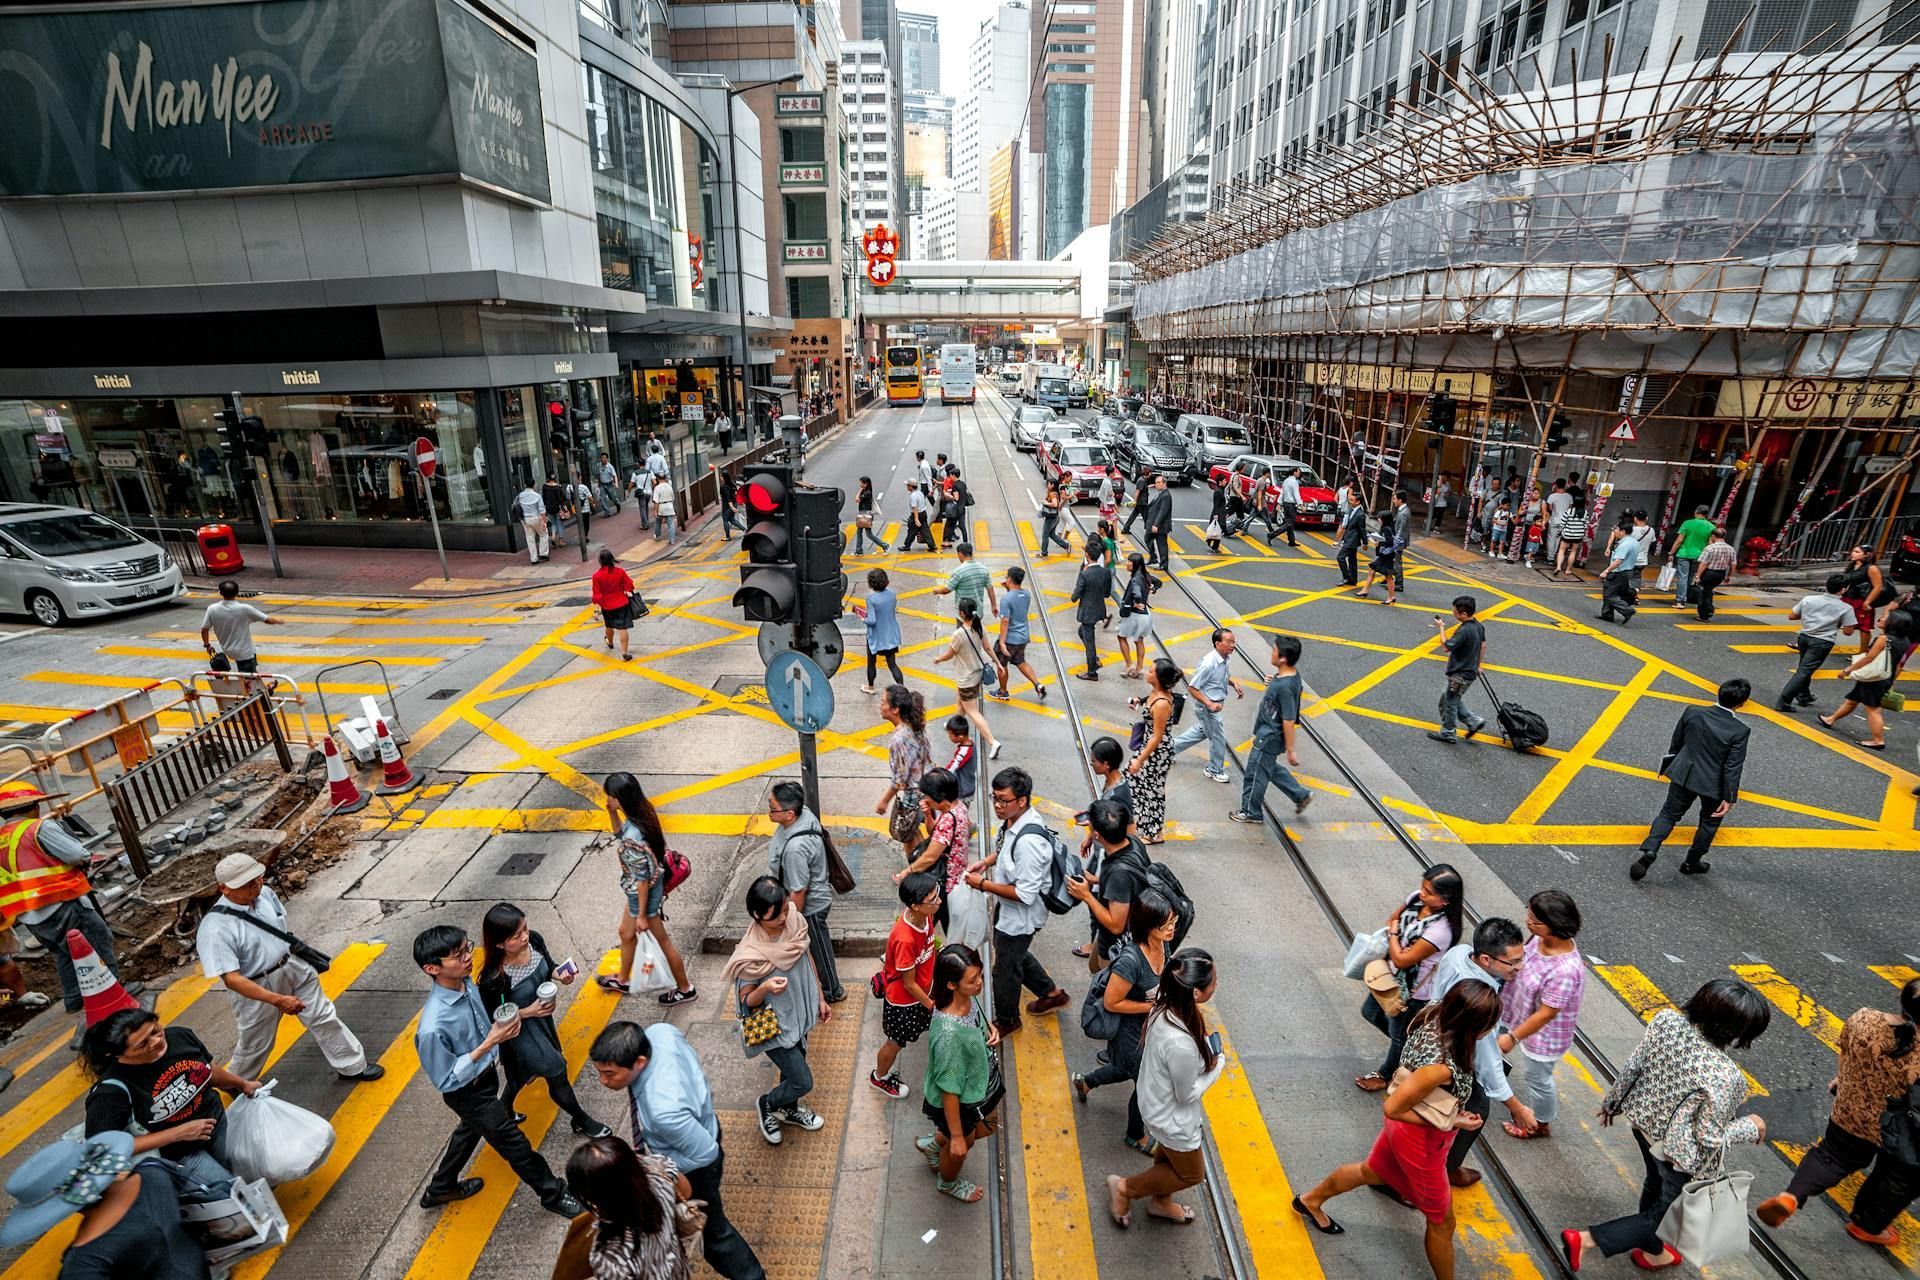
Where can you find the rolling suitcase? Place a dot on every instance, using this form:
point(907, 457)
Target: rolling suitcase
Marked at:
point(1523, 729)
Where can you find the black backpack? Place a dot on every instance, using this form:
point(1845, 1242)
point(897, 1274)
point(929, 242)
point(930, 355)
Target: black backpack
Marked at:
point(1064, 864)
point(1900, 1127)
point(1160, 876)
point(1523, 729)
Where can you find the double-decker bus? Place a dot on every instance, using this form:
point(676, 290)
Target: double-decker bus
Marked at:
point(957, 373)
point(905, 384)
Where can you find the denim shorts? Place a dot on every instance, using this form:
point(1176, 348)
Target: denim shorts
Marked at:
point(656, 899)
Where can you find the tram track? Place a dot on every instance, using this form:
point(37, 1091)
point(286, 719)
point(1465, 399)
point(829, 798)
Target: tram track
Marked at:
point(1763, 1245)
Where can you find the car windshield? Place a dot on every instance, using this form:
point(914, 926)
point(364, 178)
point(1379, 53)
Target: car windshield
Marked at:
point(1160, 437)
point(1083, 455)
point(1036, 415)
point(1308, 480)
point(1227, 435)
point(81, 533)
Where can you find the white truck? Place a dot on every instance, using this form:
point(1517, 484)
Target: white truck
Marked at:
point(1045, 384)
point(957, 373)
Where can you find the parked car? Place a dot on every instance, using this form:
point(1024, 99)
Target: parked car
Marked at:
point(1078, 465)
point(1153, 450)
point(1023, 429)
point(1076, 393)
point(60, 563)
point(1211, 441)
point(1257, 476)
point(1108, 428)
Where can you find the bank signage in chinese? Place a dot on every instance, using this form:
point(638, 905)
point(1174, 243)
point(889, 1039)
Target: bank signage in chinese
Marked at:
point(207, 97)
point(1814, 398)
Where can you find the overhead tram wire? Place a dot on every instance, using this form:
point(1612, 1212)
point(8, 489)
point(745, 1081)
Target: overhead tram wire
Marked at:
point(1765, 1246)
point(1220, 1214)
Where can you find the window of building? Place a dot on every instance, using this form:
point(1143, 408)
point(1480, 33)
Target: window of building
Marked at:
point(802, 145)
point(809, 297)
point(806, 216)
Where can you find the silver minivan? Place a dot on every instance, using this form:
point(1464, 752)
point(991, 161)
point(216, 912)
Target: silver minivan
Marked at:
point(61, 563)
point(1211, 442)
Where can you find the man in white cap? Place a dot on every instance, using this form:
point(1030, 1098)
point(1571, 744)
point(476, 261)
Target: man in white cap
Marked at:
point(244, 943)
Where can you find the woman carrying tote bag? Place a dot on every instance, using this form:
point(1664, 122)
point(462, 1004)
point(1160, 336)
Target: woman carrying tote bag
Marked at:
point(1679, 1091)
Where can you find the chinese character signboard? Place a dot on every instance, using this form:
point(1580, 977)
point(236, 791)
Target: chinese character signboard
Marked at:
point(800, 104)
point(803, 175)
point(696, 259)
point(806, 251)
point(225, 96)
point(881, 246)
point(1813, 398)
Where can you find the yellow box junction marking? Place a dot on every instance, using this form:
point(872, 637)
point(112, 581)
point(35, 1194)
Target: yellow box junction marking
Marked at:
point(1646, 999)
point(1793, 1002)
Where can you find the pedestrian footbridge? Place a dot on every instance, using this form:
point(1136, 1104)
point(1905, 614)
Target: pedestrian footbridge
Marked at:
point(984, 291)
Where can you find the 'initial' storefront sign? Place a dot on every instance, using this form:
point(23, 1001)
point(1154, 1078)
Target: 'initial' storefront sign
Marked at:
point(197, 97)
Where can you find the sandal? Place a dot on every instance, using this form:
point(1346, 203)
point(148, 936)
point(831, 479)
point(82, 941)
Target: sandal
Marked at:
point(1184, 1220)
point(960, 1189)
point(1120, 1220)
point(1525, 1135)
point(1145, 1146)
point(928, 1145)
point(1083, 951)
point(1870, 746)
point(1372, 1082)
point(610, 983)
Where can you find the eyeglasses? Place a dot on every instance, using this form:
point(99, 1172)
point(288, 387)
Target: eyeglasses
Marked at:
point(461, 952)
point(1515, 964)
point(999, 801)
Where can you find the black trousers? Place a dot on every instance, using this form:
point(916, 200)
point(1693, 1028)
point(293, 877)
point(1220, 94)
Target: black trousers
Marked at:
point(727, 1252)
point(1813, 655)
point(1289, 516)
point(1089, 636)
point(483, 1115)
point(1348, 558)
point(1890, 1187)
point(820, 947)
point(892, 657)
point(1641, 1230)
point(1015, 966)
point(1394, 1029)
point(1703, 588)
point(1157, 546)
point(1463, 1139)
point(1616, 594)
point(1679, 799)
point(51, 933)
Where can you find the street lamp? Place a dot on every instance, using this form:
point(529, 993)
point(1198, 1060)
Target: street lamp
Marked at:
point(745, 406)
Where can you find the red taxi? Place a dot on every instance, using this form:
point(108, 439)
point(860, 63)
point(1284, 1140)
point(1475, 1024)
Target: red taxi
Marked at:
point(1257, 476)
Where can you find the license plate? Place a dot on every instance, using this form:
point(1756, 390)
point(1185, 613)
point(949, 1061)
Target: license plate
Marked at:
point(147, 589)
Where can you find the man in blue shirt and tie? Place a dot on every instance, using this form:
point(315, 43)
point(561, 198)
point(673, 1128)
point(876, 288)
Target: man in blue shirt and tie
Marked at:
point(459, 1047)
point(672, 1113)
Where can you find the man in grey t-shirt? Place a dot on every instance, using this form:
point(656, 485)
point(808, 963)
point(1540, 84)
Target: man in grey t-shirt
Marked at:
point(232, 623)
point(797, 858)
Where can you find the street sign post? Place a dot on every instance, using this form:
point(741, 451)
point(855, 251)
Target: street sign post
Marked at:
point(829, 646)
point(800, 695)
point(428, 461)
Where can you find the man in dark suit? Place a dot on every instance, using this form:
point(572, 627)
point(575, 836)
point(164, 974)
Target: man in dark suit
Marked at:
point(1702, 763)
point(1090, 592)
point(1159, 524)
point(1353, 532)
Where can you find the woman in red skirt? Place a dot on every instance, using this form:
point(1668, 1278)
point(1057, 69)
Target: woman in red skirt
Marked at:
point(1425, 1105)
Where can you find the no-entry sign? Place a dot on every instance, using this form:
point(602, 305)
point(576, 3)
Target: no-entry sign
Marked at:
point(424, 457)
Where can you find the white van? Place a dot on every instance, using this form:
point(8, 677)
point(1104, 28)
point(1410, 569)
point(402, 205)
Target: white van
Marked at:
point(60, 563)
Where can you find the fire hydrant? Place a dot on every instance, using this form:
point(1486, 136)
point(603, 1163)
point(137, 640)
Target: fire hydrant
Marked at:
point(1753, 551)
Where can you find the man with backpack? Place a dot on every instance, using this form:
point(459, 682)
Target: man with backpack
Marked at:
point(1020, 872)
point(1125, 871)
point(1464, 649)
point(797, 858)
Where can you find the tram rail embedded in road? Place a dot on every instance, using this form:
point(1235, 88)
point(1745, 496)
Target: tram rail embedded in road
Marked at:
point(1764, 1246)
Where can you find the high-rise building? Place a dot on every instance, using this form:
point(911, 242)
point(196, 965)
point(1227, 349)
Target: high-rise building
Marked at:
point(867, 96)
point(877, 22)
point(952, 225)
point(1086, 123)
point(919, 53)
point(1003, 202)
point(1173, 40)
point(998, 77)
point(929, 148)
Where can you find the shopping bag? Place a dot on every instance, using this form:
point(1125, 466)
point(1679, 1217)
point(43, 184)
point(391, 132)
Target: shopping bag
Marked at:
point(650, 971)
point(274, 1141)
point(1665, 581)
point(1366, 948)
point(247, 1221)
point(1708, 1222)
point(967, 916)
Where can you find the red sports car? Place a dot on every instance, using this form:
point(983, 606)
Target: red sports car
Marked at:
point(1257, 476)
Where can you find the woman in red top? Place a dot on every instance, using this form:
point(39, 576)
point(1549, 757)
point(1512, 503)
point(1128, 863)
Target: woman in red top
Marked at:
point(613, 594)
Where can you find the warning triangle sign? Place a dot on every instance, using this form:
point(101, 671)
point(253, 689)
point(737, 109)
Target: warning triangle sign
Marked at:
point(1624, 431)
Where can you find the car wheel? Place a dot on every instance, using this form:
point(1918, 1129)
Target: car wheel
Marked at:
point(46, 608)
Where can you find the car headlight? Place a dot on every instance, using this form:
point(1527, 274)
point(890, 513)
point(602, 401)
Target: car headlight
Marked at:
point(75, 575)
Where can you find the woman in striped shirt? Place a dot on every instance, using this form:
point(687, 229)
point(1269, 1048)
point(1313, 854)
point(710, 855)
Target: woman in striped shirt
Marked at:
point(1573, 535)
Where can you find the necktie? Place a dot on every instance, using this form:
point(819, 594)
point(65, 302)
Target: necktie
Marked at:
point(639, 1130)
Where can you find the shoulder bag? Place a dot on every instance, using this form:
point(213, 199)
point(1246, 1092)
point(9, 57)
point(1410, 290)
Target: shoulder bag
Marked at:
point(1383, 983)
point(1707, 1223)
point(988, 673)
point(312, 957)
point(1440, 1108)
point(1879, 667)
point(838, 875)
point(903, 819)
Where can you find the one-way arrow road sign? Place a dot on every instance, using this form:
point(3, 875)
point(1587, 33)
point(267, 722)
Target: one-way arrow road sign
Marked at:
point(799, 692)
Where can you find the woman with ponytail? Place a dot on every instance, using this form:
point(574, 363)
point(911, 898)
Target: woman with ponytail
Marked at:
point(908, 755)
point(1878, 1062)
point(1179, 1061)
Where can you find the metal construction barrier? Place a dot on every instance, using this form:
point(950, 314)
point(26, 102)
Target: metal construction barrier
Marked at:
point(186, 767)
point(210, 693)
point(392, 713)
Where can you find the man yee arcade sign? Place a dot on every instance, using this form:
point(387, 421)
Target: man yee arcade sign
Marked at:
point(224, 96)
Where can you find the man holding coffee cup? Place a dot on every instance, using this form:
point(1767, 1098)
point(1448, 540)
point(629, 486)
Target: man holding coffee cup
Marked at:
point(459, 1047)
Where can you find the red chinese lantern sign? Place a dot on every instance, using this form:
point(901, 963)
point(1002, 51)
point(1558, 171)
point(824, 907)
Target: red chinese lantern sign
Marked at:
point(881, 247)
point(696, 259)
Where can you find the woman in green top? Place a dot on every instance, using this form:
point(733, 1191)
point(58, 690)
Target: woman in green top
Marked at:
point(963, 1086)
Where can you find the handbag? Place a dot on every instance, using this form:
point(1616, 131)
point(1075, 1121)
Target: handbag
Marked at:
point(1384, 985)
point(1879, 667)
point(315, 959)
point(1366, 948)
point(1668, 575)
point(839, 877)
point(1893, 700)
point(1440, 1108)
point(1707, 1222)
point(758, 1026)
point(650, 972)
point(1213, 531)
point(903, 820)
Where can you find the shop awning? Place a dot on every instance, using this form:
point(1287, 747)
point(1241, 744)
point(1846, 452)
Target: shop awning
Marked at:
point(772, 393)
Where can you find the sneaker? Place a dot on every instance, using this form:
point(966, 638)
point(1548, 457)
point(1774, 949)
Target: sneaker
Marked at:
point(33, 1000)
point(893, 1086)
point(1300, 806)
point(999, 696)
point(802, 1117)
point(1219, 776)
point(678, 997)
point(1438, 736)
point(1252, 818)
point(769, 1123)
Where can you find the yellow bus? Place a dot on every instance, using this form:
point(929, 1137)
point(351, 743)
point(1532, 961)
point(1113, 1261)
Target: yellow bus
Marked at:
point(905, 376)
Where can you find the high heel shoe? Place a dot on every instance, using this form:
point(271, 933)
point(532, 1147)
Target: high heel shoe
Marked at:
point(1331, 1229)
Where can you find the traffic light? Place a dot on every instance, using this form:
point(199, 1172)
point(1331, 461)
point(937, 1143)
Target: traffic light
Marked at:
point(1559, 431)
point(253, 436)
point(558, 436)
point(770, 580)
point(818, 543)
point(1441, 411)
point(232, 441)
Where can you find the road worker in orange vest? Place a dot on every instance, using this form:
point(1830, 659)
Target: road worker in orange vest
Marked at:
point(44, 887)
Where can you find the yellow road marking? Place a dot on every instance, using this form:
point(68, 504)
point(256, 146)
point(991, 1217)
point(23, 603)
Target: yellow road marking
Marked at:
point(1028, 539)
point(355, 641)
point(982, 538)
point(268, 660)
point(1277, 1238)
point(548, 763)
point(1906, 1230)
point(1898, 974)
point(44, 1258)
point(1568, 767)
point(452, 1248)
point(1646, 999)
point(455, 711)
point(26, 1116)
point(1793, 1002)
point(1059, 1231)
point(88, 679)
point(534, 686)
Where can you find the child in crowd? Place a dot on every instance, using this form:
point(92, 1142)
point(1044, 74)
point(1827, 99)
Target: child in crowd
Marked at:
point(1497, 535)
point(1535, 535)
point(965, 764)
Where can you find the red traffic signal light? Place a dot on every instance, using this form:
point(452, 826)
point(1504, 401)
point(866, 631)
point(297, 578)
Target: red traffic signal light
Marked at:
point(557, 408)
point(770, 580)
point(766, 493)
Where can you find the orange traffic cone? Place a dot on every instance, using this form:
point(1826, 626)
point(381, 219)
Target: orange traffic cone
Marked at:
point(342, 792)
point(398, 776)
point(99, 988)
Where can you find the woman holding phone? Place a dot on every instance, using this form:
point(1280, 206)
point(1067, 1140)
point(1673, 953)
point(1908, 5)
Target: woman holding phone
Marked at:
point(1179, 1062)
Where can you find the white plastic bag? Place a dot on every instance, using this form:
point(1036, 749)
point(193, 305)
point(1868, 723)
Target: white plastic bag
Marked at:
point(1668, 576)
point(1366, 948)
point(968, 918)
point(274, 1140)
point(650, 972)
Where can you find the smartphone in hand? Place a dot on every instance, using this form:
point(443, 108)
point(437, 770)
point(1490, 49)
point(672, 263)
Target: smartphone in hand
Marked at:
point(567, 968)
point(1213, 1038)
